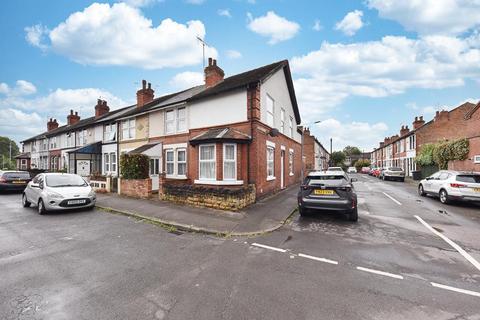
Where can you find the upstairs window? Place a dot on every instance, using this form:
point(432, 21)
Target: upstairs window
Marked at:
point(128, 129)
point(290, 125)
point(282, 121)
point(270, 111)
point(82, 137)
point(176, 120)
point(170, 121)
point(110, 132)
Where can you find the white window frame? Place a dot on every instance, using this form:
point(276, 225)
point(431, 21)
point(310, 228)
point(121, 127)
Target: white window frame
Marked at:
point(178, 162)
point(200, 161)
point(476, 158)
point(106, 161)
point(110, 132)
point(113, 162)
point(167, 162)
point(272, 161)
point(170, 121)
point(23, 164)
point(270, 113)
point(127, 126)
point(291, 160)
point(234, 161)
point(282, 120)
point(82, 137)
point(290, 124)
point(176, 120)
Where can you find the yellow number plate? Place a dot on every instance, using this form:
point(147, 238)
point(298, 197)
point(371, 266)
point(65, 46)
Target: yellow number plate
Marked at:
point(323, 192)
point(19, 182)
point(476, 189)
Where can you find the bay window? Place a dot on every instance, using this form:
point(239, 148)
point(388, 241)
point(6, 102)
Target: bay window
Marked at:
point(128, 129)
point(229, 162)
point(207, 162)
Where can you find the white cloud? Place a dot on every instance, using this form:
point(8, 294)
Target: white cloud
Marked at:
point(195, 1)
point(18, 125)
point(273, 26)
point(224, 13)
point(382, 68)
point(317, 26)
point(22, 88)
point(140, 3)
point(351, 23)
point(361, 134)
point(120, 35)
point(187, 79)
point(35, 35)
point(233, 54)
point(431, 16)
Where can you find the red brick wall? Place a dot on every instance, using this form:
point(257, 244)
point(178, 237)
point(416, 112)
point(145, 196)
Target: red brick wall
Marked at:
point(137, 188)
point(309, 151)
point(451, 126)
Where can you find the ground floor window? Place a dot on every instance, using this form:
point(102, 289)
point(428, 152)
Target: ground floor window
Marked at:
point(106, 162)
point(154, 166)
point(290, 162)
point(176, 162)
point(170, 162)
point(229, 161)
point(23, 164)
point(207, 161)
point(181, 162)
point(270, 162)
point(113, 162)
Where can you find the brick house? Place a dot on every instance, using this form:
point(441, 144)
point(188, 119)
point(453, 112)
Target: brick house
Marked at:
point(461, 122)
point(229, 132)
point(316, 157)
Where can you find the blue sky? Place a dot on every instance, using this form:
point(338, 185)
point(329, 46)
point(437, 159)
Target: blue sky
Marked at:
point(362, 67)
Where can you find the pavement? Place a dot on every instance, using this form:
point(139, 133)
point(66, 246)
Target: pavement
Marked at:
point(265, 215)
point(388, 265)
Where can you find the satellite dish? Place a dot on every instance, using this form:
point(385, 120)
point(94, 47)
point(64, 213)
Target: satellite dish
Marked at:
point(274, 132)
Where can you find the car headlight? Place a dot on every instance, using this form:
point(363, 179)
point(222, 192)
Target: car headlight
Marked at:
point(54, 195)
point(91, 193)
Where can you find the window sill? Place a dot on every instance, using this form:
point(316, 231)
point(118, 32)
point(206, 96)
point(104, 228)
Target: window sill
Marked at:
point(220, 182)
point(270, 178)
point(175, 177)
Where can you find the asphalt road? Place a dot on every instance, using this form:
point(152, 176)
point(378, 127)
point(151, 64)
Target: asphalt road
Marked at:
point(96, 265)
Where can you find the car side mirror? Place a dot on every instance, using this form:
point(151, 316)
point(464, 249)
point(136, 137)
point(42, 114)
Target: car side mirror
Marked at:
point(354, 179)
point(428, 178)
point(40, 185)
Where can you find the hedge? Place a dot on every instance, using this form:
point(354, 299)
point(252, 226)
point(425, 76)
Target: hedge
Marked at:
point(442, 152)
point(134, 166)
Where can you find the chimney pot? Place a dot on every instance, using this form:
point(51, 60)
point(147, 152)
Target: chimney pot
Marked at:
point(421, 118)
point(149, 85)
point(214, 62)
point(144, 84)
point(210, 61)
point(76, 113)
point(71, 111)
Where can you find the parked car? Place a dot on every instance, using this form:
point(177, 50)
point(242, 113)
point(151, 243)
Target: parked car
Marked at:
point(328, 190)
point(335, 169)
point(14, 180)
point(451, 185)
point(365, 170)
point(352, 170)
point(58, 191)
point(378, 173)
point(392, 173)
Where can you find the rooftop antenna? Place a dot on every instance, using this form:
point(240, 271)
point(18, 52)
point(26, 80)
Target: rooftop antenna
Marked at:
point(203, 47)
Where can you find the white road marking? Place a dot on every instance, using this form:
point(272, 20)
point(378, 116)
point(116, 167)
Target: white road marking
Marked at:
point(387, 274)
point(317, 258)
point(442, 286)
point(392, 198)
point(451, 243)
point(268, 247)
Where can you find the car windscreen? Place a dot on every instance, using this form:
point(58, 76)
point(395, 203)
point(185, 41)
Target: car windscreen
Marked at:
point(394, 169)
point(66, 180)
point(322, 179)
point(335, 169)
point(471, 178)
point(17, 175)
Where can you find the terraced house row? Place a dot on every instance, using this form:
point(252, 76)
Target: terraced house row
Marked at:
point(231, 132)
point(401, 149)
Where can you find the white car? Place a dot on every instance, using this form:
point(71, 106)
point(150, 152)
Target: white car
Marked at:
point(450, 185)
point(393, 173)
point(58, 191)
point(352, 170)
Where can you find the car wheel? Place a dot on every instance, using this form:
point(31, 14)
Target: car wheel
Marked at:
point(41, 207)
point(443, 195)
point(25, 202)
point(402, 180)
point(353, 215)
point(421, 192)
point(303, 212)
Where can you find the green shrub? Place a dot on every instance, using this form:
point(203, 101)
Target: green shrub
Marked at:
point(134, 166)
point(425, 157)
point(442, 152)
point(359, 164)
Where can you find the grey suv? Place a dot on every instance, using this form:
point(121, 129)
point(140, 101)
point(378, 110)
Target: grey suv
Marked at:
point(330, 190)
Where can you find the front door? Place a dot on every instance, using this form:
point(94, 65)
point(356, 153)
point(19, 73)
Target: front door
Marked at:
point(282, 169)
point(83, 167)
point(154, 170)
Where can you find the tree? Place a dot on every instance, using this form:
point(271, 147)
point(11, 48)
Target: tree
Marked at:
point(338, 158)
point(351, 150)
point(360, 163)
point(6, 145)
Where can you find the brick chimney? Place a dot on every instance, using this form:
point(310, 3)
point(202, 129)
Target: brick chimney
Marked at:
point(418, 122)
point(72, 118)
point(52, 124)
point(101, 108)
point(382, 144)
point(442, 115)
point(213, 73)
point(145, 95)
point(404, 131)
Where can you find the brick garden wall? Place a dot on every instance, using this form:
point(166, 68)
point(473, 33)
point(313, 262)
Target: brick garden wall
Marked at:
point(210, 197)
point(137, 188)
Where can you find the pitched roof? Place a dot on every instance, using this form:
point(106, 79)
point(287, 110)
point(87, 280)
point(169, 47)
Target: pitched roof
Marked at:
point(220, 134)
